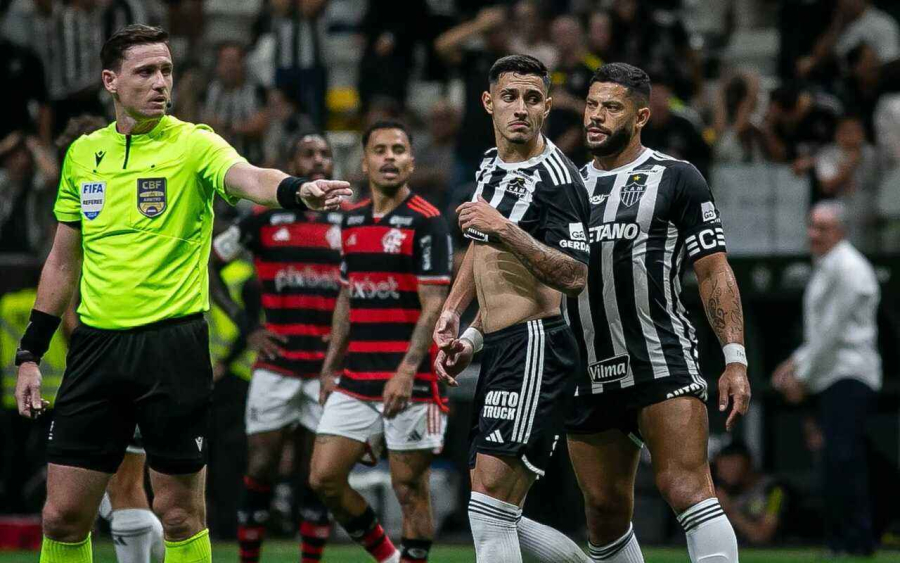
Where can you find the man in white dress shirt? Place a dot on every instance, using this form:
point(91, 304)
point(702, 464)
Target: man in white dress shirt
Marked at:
point(839, 363)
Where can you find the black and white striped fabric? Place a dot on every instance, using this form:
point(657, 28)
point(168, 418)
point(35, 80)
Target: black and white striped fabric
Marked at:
point(233, 106)
point(298, 42)
point(531, 383)
point(544, 196)
point(68, 41)
point(700, 513)
point(607, 552)
point(649, 220)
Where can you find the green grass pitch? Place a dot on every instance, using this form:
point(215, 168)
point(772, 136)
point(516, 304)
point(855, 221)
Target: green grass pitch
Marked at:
point(287, 552)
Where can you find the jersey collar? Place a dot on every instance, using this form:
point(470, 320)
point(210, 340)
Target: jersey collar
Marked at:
point(642, 158)
point(150, 135)
point(549, 147)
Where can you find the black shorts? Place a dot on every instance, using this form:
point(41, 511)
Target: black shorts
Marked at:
point(617, 409)
point(157, 376)
point(527, 376)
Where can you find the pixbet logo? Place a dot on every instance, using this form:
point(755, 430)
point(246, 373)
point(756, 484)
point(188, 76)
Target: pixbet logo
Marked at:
point(368, 289)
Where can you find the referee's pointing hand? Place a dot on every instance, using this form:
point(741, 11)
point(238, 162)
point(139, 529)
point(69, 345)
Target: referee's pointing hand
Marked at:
point(325, 195)
point(28, 391)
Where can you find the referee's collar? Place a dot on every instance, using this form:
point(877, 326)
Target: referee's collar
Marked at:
point(150, 135)
point(642, 158)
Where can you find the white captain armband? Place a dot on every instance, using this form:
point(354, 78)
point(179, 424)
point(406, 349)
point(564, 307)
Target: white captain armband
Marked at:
point(734, 354)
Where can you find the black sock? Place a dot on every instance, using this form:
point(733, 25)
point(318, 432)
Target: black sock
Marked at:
point(414, 550)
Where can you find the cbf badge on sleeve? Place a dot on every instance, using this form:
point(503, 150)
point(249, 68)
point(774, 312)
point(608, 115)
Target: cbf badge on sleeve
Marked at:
point(151, 196)
point(93, 195)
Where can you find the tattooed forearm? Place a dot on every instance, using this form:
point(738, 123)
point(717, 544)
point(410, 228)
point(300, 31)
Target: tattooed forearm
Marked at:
point(432, 299)
point(720, 295)
point(340, 334)
point(551, 267)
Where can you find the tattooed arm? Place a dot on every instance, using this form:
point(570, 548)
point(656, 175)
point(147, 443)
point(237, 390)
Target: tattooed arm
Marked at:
point(722, 301)
point(551, 267)
point(721, 298)
point(398, 390)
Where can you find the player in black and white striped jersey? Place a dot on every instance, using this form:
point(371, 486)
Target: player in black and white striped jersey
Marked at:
point(527, 221)
point(651, 217)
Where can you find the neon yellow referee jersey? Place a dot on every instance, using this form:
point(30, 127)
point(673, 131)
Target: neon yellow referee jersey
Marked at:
point(145, 204)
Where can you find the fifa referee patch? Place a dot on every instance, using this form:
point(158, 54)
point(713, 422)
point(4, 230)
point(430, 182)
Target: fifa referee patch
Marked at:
point(151, 196)
point(93, 195)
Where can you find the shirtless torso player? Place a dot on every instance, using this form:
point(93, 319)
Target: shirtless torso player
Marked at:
point(527, 222)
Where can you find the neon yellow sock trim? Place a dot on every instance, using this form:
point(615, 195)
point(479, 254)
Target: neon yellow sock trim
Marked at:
point(195, 549)
point(53, 551)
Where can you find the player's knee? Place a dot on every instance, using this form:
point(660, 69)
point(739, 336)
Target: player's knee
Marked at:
point(609, 503)
point(261, 465)
point(181, 522)
point(326, 484)
point(411, 493)
point(683, 488)
point(66, 524)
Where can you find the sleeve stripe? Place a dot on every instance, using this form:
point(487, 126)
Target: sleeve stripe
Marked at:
point(563, 166)
point(555, 166)
point(552, 173)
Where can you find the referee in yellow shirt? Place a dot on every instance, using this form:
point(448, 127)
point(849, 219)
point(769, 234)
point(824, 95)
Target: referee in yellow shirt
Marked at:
point(135, 211)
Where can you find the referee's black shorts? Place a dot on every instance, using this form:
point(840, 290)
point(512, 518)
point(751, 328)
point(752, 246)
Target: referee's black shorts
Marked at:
point(157, 376)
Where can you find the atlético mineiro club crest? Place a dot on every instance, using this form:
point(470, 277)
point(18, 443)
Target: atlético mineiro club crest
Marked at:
point(633, 189)
point(151, 196)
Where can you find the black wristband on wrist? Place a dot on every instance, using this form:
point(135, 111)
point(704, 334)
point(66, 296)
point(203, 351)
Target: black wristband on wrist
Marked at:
point(36, 339)
point(288, 193)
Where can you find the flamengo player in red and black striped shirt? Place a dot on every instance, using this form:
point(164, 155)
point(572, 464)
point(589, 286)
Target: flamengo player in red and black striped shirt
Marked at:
point(297, 259)
point(396, 273)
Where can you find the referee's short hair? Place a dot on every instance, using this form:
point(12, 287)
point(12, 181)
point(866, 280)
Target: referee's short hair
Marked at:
point(519, 64)
point(631, 77)
point(385, 124)
point(113, 52)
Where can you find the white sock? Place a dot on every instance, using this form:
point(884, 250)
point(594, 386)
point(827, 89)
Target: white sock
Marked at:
point(105, 510)
point(494, 528)
point(138, 536)
point(623, 550)
point(710, 537)
point(548, 545)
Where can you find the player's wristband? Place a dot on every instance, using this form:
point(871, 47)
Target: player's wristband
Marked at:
point(474, 337)
point(36, 340)
point(734, 354)
point(288, 193)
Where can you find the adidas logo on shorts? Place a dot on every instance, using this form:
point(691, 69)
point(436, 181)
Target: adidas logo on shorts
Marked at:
point(495, 437)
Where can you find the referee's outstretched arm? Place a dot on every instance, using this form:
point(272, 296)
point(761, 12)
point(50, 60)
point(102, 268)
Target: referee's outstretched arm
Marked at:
point(274, 188)
point(59, 278)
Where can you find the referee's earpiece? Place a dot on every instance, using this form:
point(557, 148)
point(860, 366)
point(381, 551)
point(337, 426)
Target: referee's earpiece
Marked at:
point(168, 105)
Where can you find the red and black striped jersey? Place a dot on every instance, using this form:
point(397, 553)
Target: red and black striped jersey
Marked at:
point(384, 261)
point(297, 258)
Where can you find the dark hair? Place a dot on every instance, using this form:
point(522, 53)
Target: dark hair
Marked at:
point(113, 51)
point(519, 64)
point(786, 95)
point(384, 124)
point(231, 44)
point(736, 448)
point(631, 77)
point(77, 126)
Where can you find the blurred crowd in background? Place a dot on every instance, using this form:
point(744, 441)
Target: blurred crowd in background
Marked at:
point(811, 85)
